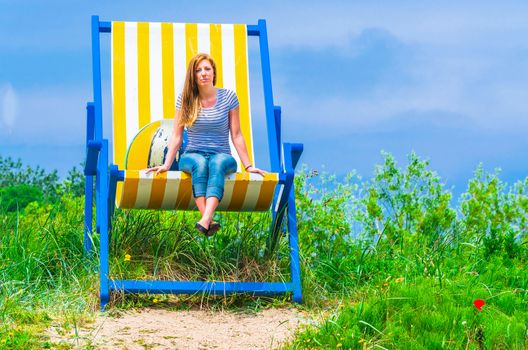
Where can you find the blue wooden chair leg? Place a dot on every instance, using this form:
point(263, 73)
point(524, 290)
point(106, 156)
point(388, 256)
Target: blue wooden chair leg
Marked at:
point(88, 207)
point(112, 187)
point(103, 226)
point(295, 265)
point(276, 226)
point(97, 202)
point(285, 204)
point(91, 156)
point(292, 154)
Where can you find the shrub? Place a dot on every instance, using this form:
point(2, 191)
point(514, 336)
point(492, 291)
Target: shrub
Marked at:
point(13, 198)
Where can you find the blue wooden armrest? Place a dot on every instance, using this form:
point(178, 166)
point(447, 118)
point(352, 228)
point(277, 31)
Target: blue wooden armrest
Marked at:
point(292, 154)
point(296, 150)
point(93, 146)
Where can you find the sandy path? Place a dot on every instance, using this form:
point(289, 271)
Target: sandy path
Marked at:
point(163, 329)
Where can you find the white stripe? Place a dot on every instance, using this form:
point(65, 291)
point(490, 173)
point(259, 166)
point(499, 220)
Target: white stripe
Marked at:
point(229, 73)
point(228, 192)
point(131, 79)
point(204, 40)
point(281, 188)
point(252, 193)
point(180, 62)
point(171, 190)
point(252, 150)
point(156, 72)
point(235, 155)
point(144, 189)
point(256, 177)
point(228, 56)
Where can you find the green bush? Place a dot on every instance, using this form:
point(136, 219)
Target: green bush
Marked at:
point(17, 197)
point(493, 217)
point(21, 185)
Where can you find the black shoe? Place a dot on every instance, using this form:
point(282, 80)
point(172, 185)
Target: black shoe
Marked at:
point(202, 229)
point(214, 227)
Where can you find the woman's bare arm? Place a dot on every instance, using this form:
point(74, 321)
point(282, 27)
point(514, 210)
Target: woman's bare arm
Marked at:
point(240, 144)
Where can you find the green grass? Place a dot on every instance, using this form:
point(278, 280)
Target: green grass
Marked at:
point(386, 263)
point(419, 314)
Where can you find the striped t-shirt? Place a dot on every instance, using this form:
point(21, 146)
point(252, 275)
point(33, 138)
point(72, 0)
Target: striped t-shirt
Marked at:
point(210, 131)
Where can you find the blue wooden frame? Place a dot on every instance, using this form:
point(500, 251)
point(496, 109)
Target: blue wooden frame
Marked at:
point(107, 175)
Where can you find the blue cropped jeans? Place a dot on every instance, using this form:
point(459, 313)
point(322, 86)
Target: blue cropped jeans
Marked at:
point(208, 171)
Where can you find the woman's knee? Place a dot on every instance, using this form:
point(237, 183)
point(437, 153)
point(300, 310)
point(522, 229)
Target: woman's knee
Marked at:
point(194, 163)
point(222, 164)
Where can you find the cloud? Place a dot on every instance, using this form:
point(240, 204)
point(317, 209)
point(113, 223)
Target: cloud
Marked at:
point(372, 57)
point(290, 24)
point(8, 106)
point(376, 77)
point(52, 115)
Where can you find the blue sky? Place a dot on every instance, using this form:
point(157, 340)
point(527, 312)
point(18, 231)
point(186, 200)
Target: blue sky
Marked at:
point(444, 79)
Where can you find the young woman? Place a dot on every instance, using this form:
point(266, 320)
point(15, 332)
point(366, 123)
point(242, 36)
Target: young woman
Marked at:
point(209, 114)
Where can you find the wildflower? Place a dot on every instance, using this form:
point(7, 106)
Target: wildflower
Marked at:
point(399, 279)
point(155, 301)
point(127, 257)
point(339, 345)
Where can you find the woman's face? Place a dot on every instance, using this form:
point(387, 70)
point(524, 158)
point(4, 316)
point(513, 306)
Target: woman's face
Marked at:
point(204, 73)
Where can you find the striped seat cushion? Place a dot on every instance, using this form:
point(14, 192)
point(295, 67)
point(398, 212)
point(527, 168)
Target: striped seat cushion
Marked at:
point(172, 190)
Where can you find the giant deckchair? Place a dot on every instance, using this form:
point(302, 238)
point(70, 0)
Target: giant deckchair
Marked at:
point(148, 65)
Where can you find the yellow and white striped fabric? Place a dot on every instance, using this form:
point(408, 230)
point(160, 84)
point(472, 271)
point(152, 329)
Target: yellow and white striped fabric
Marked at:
point(149, 63)
point(172, 190)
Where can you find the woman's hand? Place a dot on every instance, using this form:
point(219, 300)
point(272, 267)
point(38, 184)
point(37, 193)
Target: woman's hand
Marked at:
point(252, 169)
point(158, 169)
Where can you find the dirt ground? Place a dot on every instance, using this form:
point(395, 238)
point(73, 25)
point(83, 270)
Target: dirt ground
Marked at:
point(199, 329)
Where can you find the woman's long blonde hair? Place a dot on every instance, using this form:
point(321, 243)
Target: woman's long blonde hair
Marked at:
point(190, 107)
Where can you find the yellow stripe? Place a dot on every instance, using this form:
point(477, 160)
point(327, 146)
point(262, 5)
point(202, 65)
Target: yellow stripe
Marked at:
point(216, 52)
point(119, 193)
point(184, 192)
point(266, 194)
point(167, 56)
point(242, 85)
point(191, 36)
point(118, 79)
point(138, 151)
point(143, 74)
point(130, 188)
point(157, 191)
point(239, 191)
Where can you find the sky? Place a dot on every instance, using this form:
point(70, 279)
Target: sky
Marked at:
point(445, 80)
